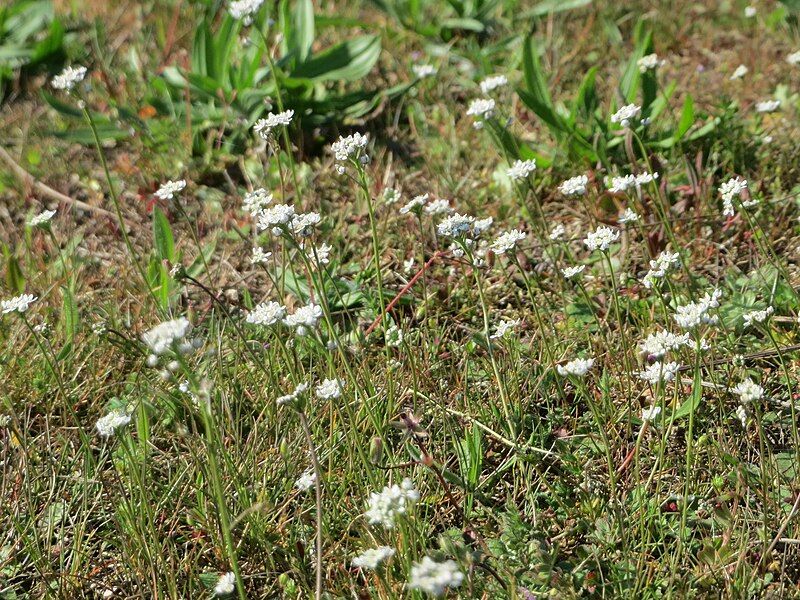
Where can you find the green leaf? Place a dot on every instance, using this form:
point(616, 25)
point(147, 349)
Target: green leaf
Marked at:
point(70, 309)
point(535, 80)
point(162, 235)
point(302, 34)
point(347, 61)
point(691, 404)
point(15, 280)
point(687, 118)
point(551, 7)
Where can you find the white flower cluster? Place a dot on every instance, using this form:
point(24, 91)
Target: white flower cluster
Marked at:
point(256, 201)
point(660, 267)
point(306, 481)
point(415, 205)
point(601, 239)
point(658, 371)
point(578, 367)
point(303, 224)
point(651, 414)
point(168, 336)
point(570, 272)
point(423, 71)
point(768, 106)
point(168, 190)
point(739, 72)
point(330, 389)
point(657, 344)
point(266, 313)
point(731, 189)
point(386, 505)
point(244, 9)
point(259, 256)
point(17, 304)
point(434, 577)
point(305, 317)
point(493, 82)
point(226, 584)
point(503, 327)
point(455, 226)
point(42, 218)
point(748, 391)
point(298, 391)
point(757, 316)
point(275, 217)
point(440, 206)
point(67, 79)
point(650, 62)
point(626, 114)
point(264, 127)
point(521, 169)
point(506, 241)
point(697, 313)
point(557, 232)
point(574, 186)
point(627, 182)
point(107, 425)
point(481, 109)
point(350, 148)
point(628, 216)
point(370, 559)
point(393, 336)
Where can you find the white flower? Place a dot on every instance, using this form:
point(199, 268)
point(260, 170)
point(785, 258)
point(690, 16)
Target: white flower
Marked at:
point(423, 71)
point(768, 106)
point(266, 313)
point(300, 389)
point(350, 147)
point(408, 265)
point(658, 371)
point(67, 79)
point(305, 316)
point(413, 205)
point(740, 72)
point(264, 127)
point(438, 207)
point(657, 344)
point(601, 239)
point(493, 82)
point(303, 224)
point(651, 414)
point(645, 178)
point(574, 186)
point(386, 505)
point(506, 241)
point(521, 169)
point(622, 184)
point(244, 9)
point(280, 214)
point(626, 114)
point(329, 389)
point(481, 109)
point(696, 313)
point(750, 12)
point(757, 316)
point(42, 218)
point(391, 196)
point(170, 188)
point(393, 336)
point(324, 253)
point(226, 584)
point(503, 327)
point(748, 391)
point(259, 256)
point(793, 58)
point(111, 422)
point(370, 559)
point(481, 225)
point(306, 480)
point(164, 336)
point(629, 216)
point(648, 62)
point(434, 578)
point(256, 201)
point(17, 304)
point(731, 189)
point(557, 232)
point(660, 267)
point(741, 414)
point(570, 272)
point(578, 367)
point(455, 226)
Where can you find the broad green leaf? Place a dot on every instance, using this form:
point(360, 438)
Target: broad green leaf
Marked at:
point(535, 80)
point(347, 61)
point(162, 235)
point(550, 7)
point(302, 37)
